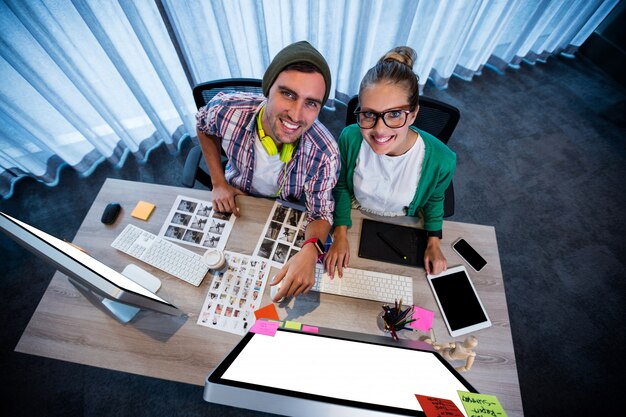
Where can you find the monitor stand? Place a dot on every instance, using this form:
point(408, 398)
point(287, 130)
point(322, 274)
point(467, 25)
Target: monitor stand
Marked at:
point(119, 311)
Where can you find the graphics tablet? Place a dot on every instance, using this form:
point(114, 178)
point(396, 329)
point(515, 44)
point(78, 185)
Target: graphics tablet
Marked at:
point(392, 243)
point(458, 301)
point(331, 373)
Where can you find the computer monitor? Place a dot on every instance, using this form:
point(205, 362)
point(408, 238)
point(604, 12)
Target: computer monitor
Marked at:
point(332, 372)
point(115, 293)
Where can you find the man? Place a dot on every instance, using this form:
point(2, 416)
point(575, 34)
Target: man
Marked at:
point(276, 147)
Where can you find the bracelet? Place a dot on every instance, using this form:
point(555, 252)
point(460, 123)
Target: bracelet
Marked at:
point(318, 246)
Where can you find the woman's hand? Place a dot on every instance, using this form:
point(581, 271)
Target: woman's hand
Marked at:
point(434, 261)
point(338, 255)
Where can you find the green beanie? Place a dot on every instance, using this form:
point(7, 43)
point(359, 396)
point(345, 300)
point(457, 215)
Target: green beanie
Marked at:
point(296, 52)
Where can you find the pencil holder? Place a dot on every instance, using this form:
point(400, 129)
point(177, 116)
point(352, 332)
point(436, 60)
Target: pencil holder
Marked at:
point(394, 319)
point(380, 322)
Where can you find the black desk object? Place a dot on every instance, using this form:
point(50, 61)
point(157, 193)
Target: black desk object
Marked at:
point(382, 242)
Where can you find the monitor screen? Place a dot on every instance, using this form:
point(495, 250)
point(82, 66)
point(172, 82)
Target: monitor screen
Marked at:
point(338, 372)
point(84, 270)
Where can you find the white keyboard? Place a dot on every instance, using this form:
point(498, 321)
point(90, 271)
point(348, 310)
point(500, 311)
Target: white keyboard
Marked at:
point(162, 254)
point(368, 285)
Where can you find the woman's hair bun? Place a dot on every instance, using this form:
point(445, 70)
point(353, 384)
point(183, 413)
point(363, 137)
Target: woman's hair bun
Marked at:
point(402, 54)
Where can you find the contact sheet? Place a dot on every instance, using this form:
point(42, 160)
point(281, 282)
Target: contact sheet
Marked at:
point(194, 222)
point(283, 235)
point(235, 293)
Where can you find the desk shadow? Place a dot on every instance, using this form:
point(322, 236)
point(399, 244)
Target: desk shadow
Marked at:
point(301, 305)
point(160, 327)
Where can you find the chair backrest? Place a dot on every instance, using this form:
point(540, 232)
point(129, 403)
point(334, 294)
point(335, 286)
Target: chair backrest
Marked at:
point(435, 117)
point(195, 167)
point(204, 92)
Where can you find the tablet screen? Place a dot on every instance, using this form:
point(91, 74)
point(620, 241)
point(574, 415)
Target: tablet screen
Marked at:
point(458, 301)
point(348, 372)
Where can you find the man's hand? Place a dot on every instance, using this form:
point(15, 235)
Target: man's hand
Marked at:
point(434, 261)
point(223, 193)
point(224, 198)
point(298, 275)
point(338, 255)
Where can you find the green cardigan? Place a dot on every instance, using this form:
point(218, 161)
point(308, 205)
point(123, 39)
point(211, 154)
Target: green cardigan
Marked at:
point(437, 171)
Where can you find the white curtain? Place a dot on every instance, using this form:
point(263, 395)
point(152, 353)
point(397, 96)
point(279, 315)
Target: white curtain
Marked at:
point(84, 81)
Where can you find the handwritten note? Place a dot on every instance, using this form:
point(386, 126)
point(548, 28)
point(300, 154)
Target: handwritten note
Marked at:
point(481, 405)
point(438, 407)
point(423, 318)
point(267, 328)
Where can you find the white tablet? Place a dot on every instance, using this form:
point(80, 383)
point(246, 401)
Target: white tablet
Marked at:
point(458, 301)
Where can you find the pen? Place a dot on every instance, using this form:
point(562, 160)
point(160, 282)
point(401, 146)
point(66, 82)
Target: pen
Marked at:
point(391, 245)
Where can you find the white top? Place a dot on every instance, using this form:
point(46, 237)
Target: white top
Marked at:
point(267, 169)
point(385, 184)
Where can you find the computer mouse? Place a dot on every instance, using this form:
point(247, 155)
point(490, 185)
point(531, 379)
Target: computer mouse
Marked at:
point(274, 290)
point(111, 211)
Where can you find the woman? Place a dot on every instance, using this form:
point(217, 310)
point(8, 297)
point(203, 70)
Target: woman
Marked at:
point(389, 167)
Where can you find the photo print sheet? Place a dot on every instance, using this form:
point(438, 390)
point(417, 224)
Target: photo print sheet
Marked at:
point(283, 235)
point(194, 222)
point(235, 294)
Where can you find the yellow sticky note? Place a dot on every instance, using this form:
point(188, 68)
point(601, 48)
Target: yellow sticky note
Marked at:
point(143, 210)
point(294, 325)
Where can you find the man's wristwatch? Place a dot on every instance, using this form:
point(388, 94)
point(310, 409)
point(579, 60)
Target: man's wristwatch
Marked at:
point(319, 246)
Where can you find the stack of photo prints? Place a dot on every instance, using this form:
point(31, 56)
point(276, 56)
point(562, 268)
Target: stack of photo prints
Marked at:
point(195, 223)
point(283, 235)
point(235, 294)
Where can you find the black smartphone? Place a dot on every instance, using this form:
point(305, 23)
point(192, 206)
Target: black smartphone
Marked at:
point(469, 254)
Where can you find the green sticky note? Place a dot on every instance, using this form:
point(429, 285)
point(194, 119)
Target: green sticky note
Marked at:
point(294, 325)
point(481, 405)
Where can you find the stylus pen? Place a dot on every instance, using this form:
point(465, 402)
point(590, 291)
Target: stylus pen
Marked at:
point(391, 245)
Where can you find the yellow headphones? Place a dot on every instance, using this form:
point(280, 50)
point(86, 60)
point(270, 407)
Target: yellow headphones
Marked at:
point(268, 143)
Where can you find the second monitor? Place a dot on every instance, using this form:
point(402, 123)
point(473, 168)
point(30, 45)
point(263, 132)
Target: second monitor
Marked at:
point(103, 286)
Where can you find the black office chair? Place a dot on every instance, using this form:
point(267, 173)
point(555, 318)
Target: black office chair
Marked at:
point(435, 117)
point(195, 167)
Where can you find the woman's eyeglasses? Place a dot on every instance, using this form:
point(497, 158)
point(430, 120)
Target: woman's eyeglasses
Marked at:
point(392, 118)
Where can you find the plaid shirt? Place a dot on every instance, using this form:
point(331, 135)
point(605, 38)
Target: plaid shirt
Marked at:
point(313, 169)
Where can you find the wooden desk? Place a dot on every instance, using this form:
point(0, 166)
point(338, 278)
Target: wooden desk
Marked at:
point(66, 326)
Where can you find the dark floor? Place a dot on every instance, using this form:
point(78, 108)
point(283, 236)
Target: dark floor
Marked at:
point(541, 156)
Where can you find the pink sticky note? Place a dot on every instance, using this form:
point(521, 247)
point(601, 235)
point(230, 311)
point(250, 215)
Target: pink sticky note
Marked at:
point(423, 319)
point(267, 328)
point(310, 329)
